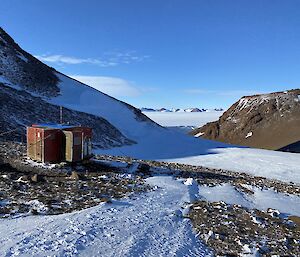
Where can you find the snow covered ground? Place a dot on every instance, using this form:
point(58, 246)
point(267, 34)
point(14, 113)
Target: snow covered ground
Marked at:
point(149, 225)
point(261, 199)
point(190, 119)
point(257, 162)
point(179, 148)
point(183, 122)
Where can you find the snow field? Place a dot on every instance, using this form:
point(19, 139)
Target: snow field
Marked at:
point(257, 162)
point(149, 224)
point(261, 199)
point(190, 119)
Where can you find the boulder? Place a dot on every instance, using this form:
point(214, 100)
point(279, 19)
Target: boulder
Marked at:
point(75, 175)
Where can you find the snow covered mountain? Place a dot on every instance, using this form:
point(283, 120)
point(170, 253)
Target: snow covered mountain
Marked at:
point(31, 92)
point(269, 121)
point(144, 109)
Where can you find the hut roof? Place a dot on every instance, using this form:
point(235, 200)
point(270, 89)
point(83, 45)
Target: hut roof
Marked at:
point(52, 126)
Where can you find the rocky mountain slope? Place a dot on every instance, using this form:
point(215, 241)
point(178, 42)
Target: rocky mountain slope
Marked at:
point(19, 109)
point(22, 69)
point(31, 92)
point(269, 121)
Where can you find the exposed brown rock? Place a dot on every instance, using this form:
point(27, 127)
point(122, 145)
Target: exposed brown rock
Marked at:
point(36, 178)
point(296, 220)
point(75, 175)
point(269, 121)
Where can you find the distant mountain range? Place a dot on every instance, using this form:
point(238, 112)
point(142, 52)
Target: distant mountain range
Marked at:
point(144, 109)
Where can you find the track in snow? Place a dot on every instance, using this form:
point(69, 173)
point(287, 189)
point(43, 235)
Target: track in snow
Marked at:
point(149, 225)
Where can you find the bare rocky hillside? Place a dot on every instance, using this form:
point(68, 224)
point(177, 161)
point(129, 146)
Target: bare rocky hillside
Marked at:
point(269, 121)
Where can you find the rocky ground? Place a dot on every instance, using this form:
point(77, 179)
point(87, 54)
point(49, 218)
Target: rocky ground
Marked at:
point(231, 230)
point(33, 188)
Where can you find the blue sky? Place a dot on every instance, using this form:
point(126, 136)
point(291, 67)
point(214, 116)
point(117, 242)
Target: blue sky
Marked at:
point(160, 53)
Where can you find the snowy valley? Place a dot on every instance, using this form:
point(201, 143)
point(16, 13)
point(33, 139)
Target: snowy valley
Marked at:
point(149, 190)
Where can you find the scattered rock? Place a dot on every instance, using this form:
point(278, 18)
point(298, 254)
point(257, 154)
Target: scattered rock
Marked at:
point(23, 179)
point(36, 178)
point(143, 168)
point(52, 189)
point(296, 220)
point(75, 175)
point(232, 230)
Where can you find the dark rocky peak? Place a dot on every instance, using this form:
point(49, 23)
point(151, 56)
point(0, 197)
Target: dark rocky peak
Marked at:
point(25, 71)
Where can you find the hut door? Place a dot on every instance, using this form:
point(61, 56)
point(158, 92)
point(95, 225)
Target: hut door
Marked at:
point(85, 148)
point(69, 146)
point(39, 147)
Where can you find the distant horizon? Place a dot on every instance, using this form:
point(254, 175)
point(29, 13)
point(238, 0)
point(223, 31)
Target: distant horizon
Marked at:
point(174, 108)
point(172, 54)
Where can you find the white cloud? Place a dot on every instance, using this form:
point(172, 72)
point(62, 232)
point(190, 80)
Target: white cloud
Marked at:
point(110, 59)
point(112, 86)
point(61, 59)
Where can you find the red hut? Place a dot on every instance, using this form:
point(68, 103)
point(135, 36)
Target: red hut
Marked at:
point(55, 143)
